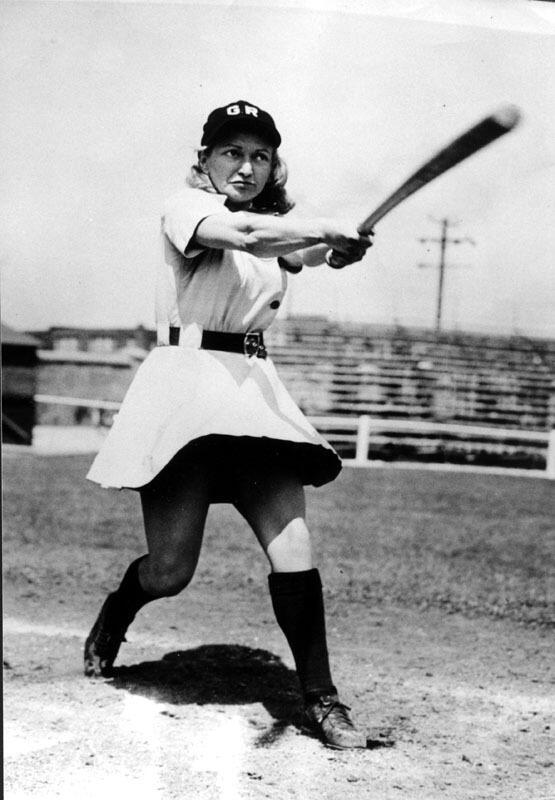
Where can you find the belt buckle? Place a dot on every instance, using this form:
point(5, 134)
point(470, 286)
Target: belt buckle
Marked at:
point(252, 345)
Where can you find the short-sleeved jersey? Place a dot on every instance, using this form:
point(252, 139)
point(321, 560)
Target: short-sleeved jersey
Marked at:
point(210, 289)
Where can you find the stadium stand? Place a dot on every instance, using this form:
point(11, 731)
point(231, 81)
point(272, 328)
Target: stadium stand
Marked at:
point(414, 374)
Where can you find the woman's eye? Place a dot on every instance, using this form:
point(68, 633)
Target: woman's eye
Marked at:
point(233, 153)
point(262, 157)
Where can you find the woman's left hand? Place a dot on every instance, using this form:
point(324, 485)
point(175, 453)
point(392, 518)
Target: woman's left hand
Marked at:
point(349, 255)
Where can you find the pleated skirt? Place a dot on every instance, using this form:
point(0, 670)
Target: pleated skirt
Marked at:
point(227, 410)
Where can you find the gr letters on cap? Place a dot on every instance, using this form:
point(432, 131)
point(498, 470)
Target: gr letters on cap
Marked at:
point(240, 112)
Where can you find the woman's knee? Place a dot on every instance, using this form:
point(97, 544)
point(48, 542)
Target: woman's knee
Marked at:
point(291, 549)
point(166, 576)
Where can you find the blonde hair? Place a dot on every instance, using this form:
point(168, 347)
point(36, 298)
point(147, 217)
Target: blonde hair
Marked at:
point(273, 198)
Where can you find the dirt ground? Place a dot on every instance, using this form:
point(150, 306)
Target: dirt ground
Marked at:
point(454, 708)
point(203, 702)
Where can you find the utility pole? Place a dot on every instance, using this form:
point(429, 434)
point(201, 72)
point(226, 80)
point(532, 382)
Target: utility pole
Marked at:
point(443, 241)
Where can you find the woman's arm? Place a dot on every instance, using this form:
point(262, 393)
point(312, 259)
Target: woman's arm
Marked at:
point(266, 236)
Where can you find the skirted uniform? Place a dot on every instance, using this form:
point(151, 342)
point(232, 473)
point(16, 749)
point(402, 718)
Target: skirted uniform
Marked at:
point(228, 409)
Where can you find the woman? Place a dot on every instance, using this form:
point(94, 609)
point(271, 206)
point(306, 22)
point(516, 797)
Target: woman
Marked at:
point(206, 418)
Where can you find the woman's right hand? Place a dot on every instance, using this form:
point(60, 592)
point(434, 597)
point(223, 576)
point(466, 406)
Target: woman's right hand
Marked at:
point(343, 238)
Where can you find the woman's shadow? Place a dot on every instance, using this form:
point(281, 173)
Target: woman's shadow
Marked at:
point(223, 674)
point(220, 674)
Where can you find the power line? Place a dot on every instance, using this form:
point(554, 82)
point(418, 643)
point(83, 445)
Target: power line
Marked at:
point(443, 241)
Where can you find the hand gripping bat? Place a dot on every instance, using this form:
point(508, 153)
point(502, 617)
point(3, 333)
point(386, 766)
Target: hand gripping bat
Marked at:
point(472, 140)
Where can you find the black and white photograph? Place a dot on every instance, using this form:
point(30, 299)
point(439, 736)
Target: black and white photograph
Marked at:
point(278, 399)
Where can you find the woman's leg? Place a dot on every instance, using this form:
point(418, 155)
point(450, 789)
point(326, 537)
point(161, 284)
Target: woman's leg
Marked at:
point(174, 507)
point(273, 504)
point(174, 513)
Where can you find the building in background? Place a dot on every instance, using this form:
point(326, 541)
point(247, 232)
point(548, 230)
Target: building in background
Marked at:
point(19, 385)
point(82, 375)
point(96, 340)
point(90, 364)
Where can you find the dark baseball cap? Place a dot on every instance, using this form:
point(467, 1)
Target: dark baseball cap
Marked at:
point(240, 114)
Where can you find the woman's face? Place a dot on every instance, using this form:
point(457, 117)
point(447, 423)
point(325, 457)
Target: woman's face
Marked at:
point(239, 166)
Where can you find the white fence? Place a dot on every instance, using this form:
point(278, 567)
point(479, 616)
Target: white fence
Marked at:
point(365, 429)
point(360, 431)
point(101, 405)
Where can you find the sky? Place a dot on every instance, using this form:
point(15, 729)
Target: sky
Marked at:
point(103, 106)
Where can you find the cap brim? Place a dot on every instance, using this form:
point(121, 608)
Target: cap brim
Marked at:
point(268, 133)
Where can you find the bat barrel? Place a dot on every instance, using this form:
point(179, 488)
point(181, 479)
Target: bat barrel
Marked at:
point(507, 116)
point(480, 135)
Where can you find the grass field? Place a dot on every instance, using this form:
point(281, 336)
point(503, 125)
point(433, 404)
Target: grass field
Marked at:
point(440, 597)
point(473, 544)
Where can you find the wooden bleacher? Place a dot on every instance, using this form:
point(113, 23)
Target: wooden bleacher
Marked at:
point(414, 374)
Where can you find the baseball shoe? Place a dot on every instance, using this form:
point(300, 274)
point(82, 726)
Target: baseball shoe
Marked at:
point(331, 719)
point(103, 643)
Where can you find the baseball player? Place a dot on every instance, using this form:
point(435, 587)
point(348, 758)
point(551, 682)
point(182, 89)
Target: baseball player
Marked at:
point(206, 418)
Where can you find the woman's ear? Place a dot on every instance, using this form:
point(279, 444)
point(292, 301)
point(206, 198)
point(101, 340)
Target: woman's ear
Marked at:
point(202, 162)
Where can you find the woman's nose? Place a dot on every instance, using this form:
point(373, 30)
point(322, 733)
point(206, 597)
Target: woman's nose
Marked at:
point(246, 167)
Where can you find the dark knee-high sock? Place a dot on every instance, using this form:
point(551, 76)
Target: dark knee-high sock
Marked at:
point(299, 609)
point(129, 597)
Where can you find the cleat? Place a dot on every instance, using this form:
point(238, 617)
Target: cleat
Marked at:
point(331, 719)
point(102, 644)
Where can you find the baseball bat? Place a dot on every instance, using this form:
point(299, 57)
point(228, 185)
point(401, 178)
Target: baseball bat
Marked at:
point(472, 140)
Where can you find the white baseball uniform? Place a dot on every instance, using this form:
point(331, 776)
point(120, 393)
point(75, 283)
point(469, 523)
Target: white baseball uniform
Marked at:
point(183, 395)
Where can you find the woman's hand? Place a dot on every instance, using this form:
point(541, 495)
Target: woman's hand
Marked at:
point(347, 244)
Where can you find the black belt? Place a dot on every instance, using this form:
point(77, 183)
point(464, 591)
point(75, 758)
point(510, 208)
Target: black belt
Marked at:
point(250, 344)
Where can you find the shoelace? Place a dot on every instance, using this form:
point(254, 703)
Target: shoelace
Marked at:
point(341, 716)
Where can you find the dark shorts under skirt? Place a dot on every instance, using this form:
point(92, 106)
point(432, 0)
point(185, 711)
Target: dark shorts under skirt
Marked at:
point(227, 460)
